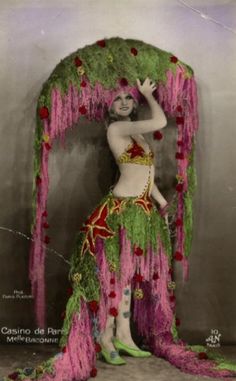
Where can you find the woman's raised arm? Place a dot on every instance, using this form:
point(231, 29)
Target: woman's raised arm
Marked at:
point(157, 121)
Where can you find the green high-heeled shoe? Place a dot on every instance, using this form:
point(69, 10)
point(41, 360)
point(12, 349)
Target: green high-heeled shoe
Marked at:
point(112, 357)
point(121, 347)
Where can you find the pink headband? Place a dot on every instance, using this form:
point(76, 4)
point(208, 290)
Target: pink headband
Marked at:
point(112, 94)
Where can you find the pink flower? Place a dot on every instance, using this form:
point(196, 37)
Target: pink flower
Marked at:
point(179, 155)
point(157, 135)
point(123, 82)
point(173, 59)
point(82, 110)
point(178, 256)
point(179, 187)
point(138, 251)
point(134, 51)
point(101, 43)
point(179, 109)
point(179, 120)
point(43, 113)
point(113, 311)
point(78, 61)
point(93, 372)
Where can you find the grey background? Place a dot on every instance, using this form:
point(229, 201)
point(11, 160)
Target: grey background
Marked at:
point(35, 35)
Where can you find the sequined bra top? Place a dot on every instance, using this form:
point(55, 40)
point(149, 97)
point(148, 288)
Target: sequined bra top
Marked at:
point(135, 154)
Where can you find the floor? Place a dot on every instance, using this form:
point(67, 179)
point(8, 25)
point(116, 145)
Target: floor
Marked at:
point(150, 369)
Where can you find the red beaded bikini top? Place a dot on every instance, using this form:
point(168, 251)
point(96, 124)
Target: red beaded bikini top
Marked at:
point(135, 153)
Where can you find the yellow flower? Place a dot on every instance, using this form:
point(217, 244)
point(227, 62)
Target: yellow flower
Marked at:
point(39, 369)
point(171, 285)
point(138, 293)
point(46, 138)
point(77, 277)
point(180, 178)
point(112, 267)
point(110, 58)
point(80, 70)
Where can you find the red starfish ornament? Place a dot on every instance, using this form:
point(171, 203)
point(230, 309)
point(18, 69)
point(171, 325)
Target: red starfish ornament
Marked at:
point(94, 227)
point(144, 202)
point(117, 206)
point(136, 150)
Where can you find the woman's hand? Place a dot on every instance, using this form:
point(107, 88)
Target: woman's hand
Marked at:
point(147, 87)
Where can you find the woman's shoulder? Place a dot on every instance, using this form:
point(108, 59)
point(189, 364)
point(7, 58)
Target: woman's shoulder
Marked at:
point(118, 143)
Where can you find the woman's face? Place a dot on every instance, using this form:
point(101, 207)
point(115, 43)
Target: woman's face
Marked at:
point(123, 104)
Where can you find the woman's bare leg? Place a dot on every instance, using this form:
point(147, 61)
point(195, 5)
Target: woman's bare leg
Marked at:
point(107, 335)
point(123, 319)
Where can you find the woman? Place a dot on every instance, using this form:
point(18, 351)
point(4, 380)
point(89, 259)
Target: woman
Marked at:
point(122, 249)
point(136, 179)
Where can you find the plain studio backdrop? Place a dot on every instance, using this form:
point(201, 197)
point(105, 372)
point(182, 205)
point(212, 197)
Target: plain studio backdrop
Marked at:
point(35, 36)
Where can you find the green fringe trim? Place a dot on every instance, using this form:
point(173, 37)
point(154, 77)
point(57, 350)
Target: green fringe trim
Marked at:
point(88, 288)
point(174, 330)
point(222, 362)
point(45, 367)
point(142, 230)
point(188, 205)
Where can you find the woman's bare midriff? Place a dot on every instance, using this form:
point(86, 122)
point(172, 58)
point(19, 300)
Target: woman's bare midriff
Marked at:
point(133, 180)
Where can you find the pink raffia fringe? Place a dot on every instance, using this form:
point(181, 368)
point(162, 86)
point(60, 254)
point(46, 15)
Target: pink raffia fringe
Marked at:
point(65, 112)
point(154, 316)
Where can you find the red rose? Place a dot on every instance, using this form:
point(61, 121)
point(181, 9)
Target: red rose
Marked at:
point(112, 281)
point(98, 348)
point(179, 187)
point(134, 51)
point(112, 294)
point(138, 277)
point(173, 59)
point(46, 239)
point(101, 43)
point(179, 120)
point(179, 222)
point(38, 180)
point(177, 322)
point(82, 110)
point(45, 214)
point(45, 225)
point(93, 305)
point(178, 256)
point(179, 155)
point(78, 62)
point(69, 291)
point(63, 314)
point(155, 276)
point(180, 143)
point(172, 298)
point(83, 84)
point(13, 376)
point(64, 349)
point(113, 311)
point(179, 109)
point(43, 112)
point(202, 356)
point(48, 146)
point(138, 251)
point(123, 82)
point(157, 135)
point(93, 372)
